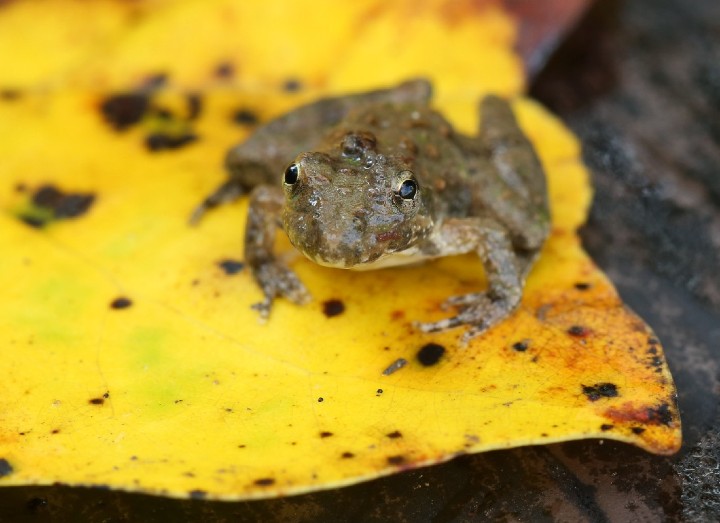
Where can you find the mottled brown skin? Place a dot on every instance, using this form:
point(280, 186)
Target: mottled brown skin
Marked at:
point(380, 179)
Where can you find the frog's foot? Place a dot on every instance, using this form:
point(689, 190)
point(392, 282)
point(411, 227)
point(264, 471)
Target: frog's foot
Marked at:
point(229, 191)
point(477, 310)
point(275, 279)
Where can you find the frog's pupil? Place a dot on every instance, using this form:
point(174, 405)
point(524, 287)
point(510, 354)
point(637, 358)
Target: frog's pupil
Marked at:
point(291, 174)
point(408, 189)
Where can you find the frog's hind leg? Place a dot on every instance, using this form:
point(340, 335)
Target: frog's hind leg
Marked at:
point(520, 173)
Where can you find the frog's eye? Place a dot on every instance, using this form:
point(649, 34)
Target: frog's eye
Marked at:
point(291, 174)
point(407, 189)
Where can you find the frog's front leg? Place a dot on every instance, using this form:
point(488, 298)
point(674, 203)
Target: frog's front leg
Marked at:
point(490, 241)
point(274, 277)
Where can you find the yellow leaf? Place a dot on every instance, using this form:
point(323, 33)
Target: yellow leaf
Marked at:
point(131, 356)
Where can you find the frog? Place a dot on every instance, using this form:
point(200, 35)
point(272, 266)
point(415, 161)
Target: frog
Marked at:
point(381, 179)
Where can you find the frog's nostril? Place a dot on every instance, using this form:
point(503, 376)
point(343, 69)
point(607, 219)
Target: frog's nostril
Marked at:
point(291, 174)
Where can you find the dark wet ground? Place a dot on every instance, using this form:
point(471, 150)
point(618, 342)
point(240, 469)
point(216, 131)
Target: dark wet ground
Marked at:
point(639, 82)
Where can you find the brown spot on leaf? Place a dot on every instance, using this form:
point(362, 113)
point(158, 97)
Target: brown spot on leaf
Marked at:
point(245, 117)
point(194, 105)
point(154, 82)
point(121, 303)
point(637, 430)
point(231, 266)
point(605, 427)
point(50, 203)
point(333, 308)
point(264, 482)
point(430, 354)
point(123, 110)
point(96, 401)
point(5, 468)
point(292, 85)
point(162, 141)
point(649, 415)
point(395, 460)
point(347, 455)
point(9, 94)
point(325, 434)
point(579, 331)
point(520, 346)
point(394, 435)
point(600, 390)
point(224, 70)
point(582, 286)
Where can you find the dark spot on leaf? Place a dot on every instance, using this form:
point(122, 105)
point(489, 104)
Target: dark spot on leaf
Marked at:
point(656, 361)
point(430, 354)
point(582, 286)
point(394, 435)
point(396, 460)
point(225, 70)
point(245, 117)
point(161, 141)
point(320, 400)
point(55, 431)
point(578, 331)
point(333, 308)
point(106, 395)
point(121, 303)
point(162, 113)
point(36, 504)
point(378, 392)
point(124, 109)
point(231, 266)
point(325, 434)
point(397, 315)
point(605, 427)
point(264, 482)
point(20, 187)
point(50, 203)
point(520, 346)
point(292, 85)
point(653, 341)
point(347, 455)
point(600, 390)
point(637, 430)
point(195, 105)
point(9, 94)
point(544, 435)
point(395, 366)
point(96, 401)
point(652, 350)
point(5, 468)
point(73, 205)
point(197, 494)
point(660, 415)
point(33, 221)
point(155, 81)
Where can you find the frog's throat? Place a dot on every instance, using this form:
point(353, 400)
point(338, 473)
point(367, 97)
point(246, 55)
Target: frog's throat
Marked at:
point(411, 256)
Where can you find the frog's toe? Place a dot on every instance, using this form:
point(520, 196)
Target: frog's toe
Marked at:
point(464, 300)
point(263, 308)
point(442, 325)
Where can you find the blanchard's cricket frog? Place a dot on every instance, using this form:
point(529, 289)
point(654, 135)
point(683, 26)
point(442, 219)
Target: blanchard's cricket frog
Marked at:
point(379, 179)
